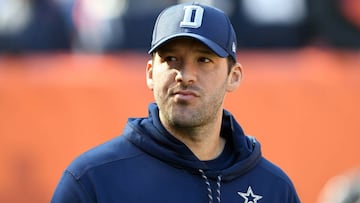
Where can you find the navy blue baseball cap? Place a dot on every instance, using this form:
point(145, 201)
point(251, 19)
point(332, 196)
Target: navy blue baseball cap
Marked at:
point(207, 24)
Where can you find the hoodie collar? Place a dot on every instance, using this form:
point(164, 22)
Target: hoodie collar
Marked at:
point(149, 135)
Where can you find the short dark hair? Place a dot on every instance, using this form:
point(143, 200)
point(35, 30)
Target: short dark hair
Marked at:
point(231, 62)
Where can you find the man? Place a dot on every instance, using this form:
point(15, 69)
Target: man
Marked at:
point(189, 149)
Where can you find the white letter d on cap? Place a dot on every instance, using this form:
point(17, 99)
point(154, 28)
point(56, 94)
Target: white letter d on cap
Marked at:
point(193, 16)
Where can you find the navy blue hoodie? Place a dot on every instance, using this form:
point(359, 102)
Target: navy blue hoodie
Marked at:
point(148, 165)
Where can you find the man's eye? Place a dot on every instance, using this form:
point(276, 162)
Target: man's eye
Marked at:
point(170, 58)
point(204, 60)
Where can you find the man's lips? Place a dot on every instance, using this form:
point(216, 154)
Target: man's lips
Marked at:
point(185, 94)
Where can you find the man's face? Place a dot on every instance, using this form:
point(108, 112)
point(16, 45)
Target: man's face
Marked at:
point(189, 83)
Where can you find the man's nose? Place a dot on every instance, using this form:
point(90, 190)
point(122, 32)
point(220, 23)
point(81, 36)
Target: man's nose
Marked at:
point(186, 73)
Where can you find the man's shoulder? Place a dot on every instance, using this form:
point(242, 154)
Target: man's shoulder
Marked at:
point(113, 150)
point(274, 172)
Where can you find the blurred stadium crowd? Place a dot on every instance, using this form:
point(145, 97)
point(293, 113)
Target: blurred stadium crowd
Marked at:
point(115, 25)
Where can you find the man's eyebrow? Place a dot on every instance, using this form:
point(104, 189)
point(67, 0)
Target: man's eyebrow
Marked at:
point(166, 49)
point(204, 51)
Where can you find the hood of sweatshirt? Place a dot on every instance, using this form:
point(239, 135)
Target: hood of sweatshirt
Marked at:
point(150, 136)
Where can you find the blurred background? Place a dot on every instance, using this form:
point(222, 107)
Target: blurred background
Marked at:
point(73, 71)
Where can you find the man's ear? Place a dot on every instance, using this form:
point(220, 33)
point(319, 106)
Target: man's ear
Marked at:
point(149, 75)
point(235, 77)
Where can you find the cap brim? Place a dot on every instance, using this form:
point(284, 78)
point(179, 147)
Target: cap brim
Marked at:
point(212, 45)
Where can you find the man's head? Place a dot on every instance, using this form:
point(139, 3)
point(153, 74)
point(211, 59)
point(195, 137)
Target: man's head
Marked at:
point(193, 65)
point(207, 24)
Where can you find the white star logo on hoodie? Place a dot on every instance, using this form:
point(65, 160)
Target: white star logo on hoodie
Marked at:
point(250, 196)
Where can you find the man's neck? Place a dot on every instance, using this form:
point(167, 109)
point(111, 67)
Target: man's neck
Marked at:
point(206, 142)
point(207, 150)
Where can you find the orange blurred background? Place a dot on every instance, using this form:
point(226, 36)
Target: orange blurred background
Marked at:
point(303, 107)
